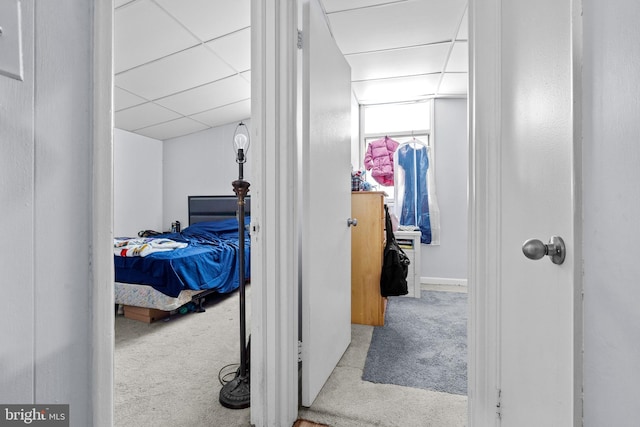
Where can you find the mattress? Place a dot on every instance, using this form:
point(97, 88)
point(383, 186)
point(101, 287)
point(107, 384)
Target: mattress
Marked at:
point(145, 296)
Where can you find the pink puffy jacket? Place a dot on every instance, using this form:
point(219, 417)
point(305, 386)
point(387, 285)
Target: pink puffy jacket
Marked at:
point(379, 159)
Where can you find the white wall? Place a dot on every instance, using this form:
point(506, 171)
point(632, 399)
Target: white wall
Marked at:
point(137, 184)
point(449, 259)
point(46, 208)
point(611, 208)
point(199, 164)
point(356, 156)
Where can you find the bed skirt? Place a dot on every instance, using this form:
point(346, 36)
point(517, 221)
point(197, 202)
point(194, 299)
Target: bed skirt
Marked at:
point(146, 296)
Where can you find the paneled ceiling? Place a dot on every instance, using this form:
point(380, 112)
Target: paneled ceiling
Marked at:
point(182, 66)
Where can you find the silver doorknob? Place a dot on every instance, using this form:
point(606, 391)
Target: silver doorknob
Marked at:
point(352, 221)
point(535, 249)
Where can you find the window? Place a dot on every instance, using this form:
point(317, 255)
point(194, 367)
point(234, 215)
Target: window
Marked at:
point(400, 122)
point(408, 124)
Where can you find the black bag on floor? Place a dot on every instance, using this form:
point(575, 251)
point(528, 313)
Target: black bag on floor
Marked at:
point(395, 264)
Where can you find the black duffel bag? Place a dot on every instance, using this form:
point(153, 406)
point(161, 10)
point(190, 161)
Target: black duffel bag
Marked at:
point(395, 264)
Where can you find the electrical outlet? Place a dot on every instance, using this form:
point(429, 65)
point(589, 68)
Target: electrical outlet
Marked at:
point(11, 39)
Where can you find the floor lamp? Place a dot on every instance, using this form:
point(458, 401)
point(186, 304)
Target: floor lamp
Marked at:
point(235, 394)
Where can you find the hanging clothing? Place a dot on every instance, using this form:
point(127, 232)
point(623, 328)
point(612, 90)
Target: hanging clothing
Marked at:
point(379, 159)
point(415, 208)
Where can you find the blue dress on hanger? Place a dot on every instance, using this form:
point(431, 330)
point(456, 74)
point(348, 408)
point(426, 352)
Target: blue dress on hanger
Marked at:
point(415, 206)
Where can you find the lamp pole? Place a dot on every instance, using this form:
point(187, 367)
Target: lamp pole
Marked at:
point(236, 394)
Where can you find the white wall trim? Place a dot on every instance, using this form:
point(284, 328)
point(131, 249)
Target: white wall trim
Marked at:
point(577, 38)
point(102, 217)
point(484, 214)
point(443, 281)
point(274, 270)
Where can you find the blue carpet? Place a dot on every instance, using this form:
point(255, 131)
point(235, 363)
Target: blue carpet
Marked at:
point(423, 343)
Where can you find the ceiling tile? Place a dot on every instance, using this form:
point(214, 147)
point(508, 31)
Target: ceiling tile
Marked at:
point(143, 32)
point(226, 114)
point(395, 25)
point(463, 33)
point(459, 59)
point(331, 6)
point(212, 95)
point(398, 62)
point(123, 99)
point(181, 71)
point(209, 19)
point(454, 84)
point(235, 49)
point(118, 3)
point(141, 116)
point(396, 90)
point(172, 129)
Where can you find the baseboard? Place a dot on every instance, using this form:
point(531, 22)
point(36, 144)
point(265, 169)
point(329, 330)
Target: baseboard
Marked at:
point(442, 281)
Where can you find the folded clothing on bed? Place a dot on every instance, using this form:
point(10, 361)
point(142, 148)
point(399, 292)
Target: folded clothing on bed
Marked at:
point(208, 261)
point(144, 246)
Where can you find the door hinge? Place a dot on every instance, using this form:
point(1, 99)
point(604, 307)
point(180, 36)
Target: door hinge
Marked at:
point(300, 39)
point(299, 351)
point(499, 404)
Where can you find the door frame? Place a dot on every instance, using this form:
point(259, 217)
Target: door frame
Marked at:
point(275, 271)
point(101, 251)
point(274, 378)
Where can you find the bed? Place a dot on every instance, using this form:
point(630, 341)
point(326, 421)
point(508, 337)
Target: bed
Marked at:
point(182, 268)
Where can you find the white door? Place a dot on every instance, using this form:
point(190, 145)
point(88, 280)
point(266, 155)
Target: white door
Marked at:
point(326, 203)
point(527, 313)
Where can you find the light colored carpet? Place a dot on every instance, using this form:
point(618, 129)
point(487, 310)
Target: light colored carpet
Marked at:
point(347, 401)
point(166, 374)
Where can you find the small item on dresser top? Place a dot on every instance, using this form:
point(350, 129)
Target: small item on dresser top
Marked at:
point(357, 180)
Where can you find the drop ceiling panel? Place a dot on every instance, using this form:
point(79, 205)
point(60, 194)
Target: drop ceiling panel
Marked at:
point(397, 89)
point(212, 95)
point(459, 59)
point(142, 116)
point(209, 19)
point(227, 114)
point(123, 99)
point(338, 5)
point(172, 129)
point(398, 62)
point(402, 24)
point(463, 33)
point(234, 49)
point(454, 84)
point(118, 3)
point(143, 33)
point(193, 57)
point(181, 71)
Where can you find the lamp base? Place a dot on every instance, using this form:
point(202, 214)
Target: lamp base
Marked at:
point(236, 394)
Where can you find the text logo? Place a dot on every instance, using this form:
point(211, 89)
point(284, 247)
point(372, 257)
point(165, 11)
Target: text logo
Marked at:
point(34, 415)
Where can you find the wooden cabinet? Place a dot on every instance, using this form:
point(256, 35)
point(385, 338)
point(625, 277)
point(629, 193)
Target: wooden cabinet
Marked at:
point(367, 246)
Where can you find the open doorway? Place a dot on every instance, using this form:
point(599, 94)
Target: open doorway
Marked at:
point(487, 378)
point(171, 212)
point(181, 86)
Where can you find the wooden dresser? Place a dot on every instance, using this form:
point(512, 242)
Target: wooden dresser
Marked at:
point(367, 246)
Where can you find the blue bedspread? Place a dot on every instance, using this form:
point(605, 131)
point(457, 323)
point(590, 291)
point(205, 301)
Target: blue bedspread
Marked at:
point(208, 262)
